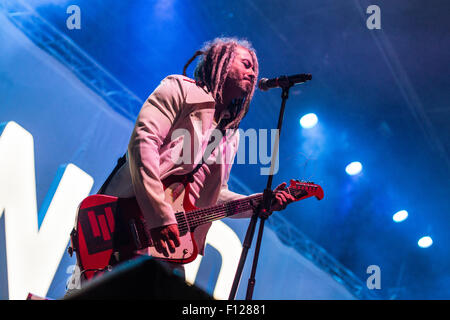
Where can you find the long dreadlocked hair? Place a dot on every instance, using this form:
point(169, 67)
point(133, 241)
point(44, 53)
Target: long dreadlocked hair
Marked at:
point(212, 70)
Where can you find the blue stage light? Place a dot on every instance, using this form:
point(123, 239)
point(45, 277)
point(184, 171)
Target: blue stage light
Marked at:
point(400, 216)
point(308, 120)
point(353, 168)
point(425, 242)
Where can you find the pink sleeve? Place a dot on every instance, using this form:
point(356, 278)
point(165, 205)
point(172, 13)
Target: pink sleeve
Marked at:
point(152, 126)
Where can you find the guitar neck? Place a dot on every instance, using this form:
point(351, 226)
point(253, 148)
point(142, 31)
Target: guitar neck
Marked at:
point(188, 221)
point(198, 217)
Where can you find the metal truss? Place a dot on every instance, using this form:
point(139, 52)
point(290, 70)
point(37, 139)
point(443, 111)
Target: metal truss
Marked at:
point(55, 43)
point(292, 237)
point(122, 100)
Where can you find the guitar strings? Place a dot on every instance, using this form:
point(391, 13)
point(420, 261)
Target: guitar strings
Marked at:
point(192, 219)
point(196, 218)
point(224, 209)
point(199, 214)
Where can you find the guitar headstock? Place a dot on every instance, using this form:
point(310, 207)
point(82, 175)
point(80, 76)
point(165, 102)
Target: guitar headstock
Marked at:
point(302, 190)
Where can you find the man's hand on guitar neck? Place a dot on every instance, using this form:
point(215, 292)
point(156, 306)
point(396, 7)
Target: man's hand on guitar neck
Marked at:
point(281, 198)
point(165, 238)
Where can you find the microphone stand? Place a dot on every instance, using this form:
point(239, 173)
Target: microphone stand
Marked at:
point(263, 211)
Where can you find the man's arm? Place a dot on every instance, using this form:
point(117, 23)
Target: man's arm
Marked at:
point(152, 127)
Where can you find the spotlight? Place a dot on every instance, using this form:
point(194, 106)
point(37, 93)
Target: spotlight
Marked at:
point(425, 242)
point(400, 216)
point(308, 120)
point(353, 168)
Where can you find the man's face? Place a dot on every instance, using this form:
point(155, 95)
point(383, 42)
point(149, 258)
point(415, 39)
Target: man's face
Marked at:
point(241, 75)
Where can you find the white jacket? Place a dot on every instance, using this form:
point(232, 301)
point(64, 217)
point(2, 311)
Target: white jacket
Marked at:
point(177, 103)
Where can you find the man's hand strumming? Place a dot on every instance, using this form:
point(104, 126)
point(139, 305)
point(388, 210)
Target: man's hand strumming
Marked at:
point(165, 238)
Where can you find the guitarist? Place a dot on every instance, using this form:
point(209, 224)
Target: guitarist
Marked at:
point(218, 99)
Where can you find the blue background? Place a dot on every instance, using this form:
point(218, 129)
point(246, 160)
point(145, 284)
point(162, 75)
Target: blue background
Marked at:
point(381, 97)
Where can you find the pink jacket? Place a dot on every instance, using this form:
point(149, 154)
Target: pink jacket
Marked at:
point(177, 103)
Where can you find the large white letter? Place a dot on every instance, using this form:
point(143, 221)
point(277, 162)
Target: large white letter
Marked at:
point(263, 156)
point(73, 21)
point(225, 240)
point(33, 254)
point(374, 281)
point(373, 21)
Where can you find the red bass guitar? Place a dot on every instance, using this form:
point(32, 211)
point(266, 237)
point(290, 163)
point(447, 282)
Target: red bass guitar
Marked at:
point(109, 230)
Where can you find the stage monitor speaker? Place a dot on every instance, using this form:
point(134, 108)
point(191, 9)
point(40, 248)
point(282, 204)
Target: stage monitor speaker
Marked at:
point(142, 278)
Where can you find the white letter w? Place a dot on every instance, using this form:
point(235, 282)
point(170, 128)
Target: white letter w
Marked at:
point(34, 253)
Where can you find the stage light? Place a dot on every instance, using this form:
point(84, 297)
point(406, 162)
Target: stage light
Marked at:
point(425, 242)
point(308, 120)
point(400, 216)
point(353, 168)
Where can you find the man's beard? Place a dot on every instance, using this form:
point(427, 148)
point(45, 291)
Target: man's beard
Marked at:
point(237, 83)
point(247, 86)
point(241, 85)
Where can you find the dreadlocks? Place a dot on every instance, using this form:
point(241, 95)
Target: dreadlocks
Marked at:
point(212, 71)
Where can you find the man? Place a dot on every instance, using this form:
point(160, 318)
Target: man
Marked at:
point(218, 99)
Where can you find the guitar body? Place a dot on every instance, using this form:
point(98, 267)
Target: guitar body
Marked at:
point(177, 195)
point(110, 230)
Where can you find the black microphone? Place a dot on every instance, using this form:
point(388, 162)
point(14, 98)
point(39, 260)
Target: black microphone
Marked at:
point(283, 81)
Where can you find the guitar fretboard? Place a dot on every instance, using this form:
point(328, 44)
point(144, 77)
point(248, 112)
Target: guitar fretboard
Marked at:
point(199, 217)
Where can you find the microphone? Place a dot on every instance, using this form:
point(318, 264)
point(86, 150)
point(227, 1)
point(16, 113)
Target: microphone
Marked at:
point(283, 81)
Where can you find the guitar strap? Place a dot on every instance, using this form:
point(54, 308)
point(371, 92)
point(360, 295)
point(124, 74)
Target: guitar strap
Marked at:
point(120, 162)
